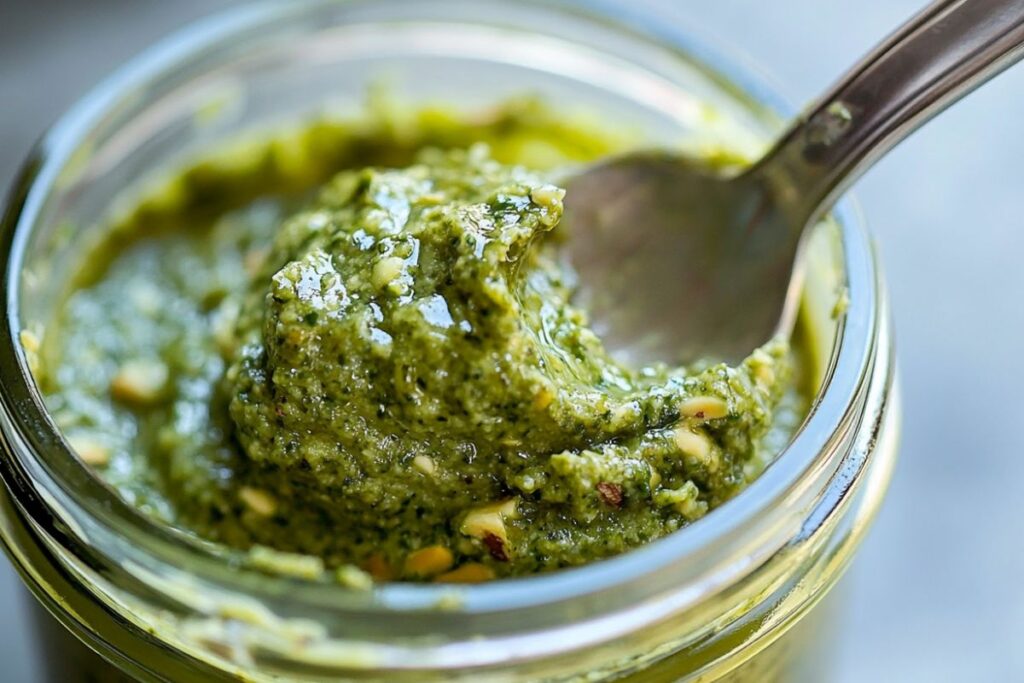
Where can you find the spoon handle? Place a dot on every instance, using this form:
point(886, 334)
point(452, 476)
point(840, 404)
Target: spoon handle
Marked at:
point(940, 55)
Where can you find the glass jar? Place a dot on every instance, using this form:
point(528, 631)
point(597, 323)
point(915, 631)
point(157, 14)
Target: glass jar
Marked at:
point(729, 598)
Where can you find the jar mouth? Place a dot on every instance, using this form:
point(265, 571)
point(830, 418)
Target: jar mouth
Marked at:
point(691, 557)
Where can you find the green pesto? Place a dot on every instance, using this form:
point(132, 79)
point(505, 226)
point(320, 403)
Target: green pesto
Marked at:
point(358, 341)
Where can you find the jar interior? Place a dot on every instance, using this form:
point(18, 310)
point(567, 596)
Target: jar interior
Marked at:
point(324, 61)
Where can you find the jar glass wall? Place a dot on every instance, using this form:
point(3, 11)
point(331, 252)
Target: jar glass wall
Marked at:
point(726, 599)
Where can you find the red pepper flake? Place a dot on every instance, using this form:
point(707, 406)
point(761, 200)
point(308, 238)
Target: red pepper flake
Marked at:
point(496, 547)
point(611, 494)
point(699, 415)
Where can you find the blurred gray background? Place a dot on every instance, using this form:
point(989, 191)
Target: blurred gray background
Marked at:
point(937, 592)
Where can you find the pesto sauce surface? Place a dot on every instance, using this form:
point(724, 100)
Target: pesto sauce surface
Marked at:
point(356, 343)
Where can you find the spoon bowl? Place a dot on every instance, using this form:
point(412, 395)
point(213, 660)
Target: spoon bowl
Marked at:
point(679, 263)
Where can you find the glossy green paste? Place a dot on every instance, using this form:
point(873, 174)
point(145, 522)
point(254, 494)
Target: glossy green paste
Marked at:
point(355, 346)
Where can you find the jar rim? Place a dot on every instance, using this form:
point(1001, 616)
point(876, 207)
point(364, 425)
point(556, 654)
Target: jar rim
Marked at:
point(24, 418)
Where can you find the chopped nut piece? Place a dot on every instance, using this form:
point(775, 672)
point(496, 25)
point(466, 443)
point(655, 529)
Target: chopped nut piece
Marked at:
point(259, 501)
point(429, 561)
point(471, 572)
point(91, 452)
point(377, 566)
point(291, 564)
point(704, 408)
point(386, 270)
point(247, 612)
point(693, 444)
point(547, 195)
point(353, 577)
point(488, 525)
point(139, 381)
point(424, 464)
point(610, 494)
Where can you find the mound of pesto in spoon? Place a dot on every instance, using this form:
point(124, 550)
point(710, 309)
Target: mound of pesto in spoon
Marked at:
point(410, 363)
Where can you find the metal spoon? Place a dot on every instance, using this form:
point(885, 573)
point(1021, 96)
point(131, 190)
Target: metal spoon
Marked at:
point(677, 263)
